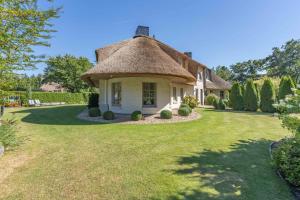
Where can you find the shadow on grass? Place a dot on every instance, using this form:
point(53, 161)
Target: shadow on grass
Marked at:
point(58, 115)
point(240, 112)
point(242, 172)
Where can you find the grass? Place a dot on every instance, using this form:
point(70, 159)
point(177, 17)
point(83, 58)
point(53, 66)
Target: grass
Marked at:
point(223, 155)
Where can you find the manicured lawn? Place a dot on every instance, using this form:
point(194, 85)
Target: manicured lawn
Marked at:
point(223, 155)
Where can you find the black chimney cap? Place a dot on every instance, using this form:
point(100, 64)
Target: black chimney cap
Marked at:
point(142, 30)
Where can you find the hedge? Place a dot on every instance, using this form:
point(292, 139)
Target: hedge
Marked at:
point(48, 97)
point(250, 97)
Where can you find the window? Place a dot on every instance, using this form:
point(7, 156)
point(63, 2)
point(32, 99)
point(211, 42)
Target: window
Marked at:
point(149, 94)
point(199, 76)
point(174, 95)
point(116, 94)
point(181, 94)
point(222, 94)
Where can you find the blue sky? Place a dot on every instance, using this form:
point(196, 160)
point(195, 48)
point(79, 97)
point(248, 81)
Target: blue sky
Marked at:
point(218, 32)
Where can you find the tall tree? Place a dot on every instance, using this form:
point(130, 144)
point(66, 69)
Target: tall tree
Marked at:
point(250, 96)
point(246, 70)
point(285, 60)
point(267, 96)
point(236, 97)
point(223, 72)
point(285, 87)
point(66, 70)
point(23, 25)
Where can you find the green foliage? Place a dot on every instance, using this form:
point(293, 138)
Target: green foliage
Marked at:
point(246, 70)
point(94, 112)
point(210, 98)
point(267, 95)
point(183, 111)
point(166, 114)
point(250, 97)
point(191, 101)
point(136, 115)
point(221, 104)
point(23, 25)
point(236, 97)
point(285, 87)
point(223, 72)
point(287, 159)
point(108, 115)
point(186, 106)
point(216, 103)
point(93, 100)
point(292, 123)
point(66, 70)
point(8, 134)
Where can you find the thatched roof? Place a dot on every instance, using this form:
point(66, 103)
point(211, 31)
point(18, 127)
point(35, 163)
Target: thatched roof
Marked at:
point(217, 83)
point(136, 57)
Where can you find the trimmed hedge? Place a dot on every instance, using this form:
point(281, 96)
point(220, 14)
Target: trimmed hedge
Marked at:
point(250, 96)
point(183, 111)
point(49, 97)
point(166, 114)
point(236, 97)
point(285, 87)
point(94, 112)
point(136, 115)
point(108, 115)
point(186, 106)
point(267, 96)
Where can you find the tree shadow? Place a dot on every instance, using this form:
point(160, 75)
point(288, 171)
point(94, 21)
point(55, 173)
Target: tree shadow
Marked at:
point(58, 115)
point(242, 172)
point(258, 113)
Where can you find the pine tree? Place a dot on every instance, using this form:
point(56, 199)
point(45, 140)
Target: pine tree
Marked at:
point(285, 87)
point(267, 95)
point(236, 97)
point(250, 97)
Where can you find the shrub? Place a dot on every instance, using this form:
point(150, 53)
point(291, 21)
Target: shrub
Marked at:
point(236, 97)
point(292, 123)
point(221, 104)
point(216, 103)
point(186, 106)
point(93, 100)
point(183, 111)
point(285, 87)
point(267, 96)
point(94, 112)
point(287, 160)
point(136, 115)
point(250, 97)
point(108, 115)
point(191, 101)
point(166, 114)
point(67, 97)
point(8, 134)
point(209, 99)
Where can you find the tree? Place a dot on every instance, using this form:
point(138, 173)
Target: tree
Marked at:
point(285, 87)
point(285, 60)
point(236, 97)
point(66, 70)
point(244, 70)
point(267, 96)
point(223, 72)
point(250, 96)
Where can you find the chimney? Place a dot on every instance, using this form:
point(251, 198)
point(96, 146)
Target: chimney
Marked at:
point(142, 30)
point(189, 54)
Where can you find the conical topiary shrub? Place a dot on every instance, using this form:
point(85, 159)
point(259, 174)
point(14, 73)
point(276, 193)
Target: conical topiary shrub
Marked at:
point(285, 87)
point(250, 96)
point(267, 96)
point(236, 97)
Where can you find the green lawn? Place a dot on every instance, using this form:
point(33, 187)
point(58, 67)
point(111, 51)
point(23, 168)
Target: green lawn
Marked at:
point(223, 155)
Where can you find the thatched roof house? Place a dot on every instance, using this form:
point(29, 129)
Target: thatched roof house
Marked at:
point(144, 74)
point(52, 87)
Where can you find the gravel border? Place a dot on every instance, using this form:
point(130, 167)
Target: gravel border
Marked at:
point(148, 119)
point(295, 190)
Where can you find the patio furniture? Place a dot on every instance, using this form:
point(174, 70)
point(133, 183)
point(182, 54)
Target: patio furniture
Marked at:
point(31, 102)
point(37, 102)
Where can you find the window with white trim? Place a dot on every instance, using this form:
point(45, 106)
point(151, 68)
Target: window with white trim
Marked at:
point(116, 94)
point(149, 94)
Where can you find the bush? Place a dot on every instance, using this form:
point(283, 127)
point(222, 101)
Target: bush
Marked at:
point(216, 103)
point(94, 112)
point(166, 114)
point(108, 115)
point(236, 97)
point(209, 99)
point(267, 96)
point(8, 134)
point(183, 111)
point(93, 100)
point(221, 104)
point(250, 97)
point(191, 101)
point(292, 123)
point(186, 106)
point(136, 115)
point(287, 160)
point(285, 87)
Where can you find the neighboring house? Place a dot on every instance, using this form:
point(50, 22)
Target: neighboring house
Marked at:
point(52, 87)
point(145, 74)
point(216, 85)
